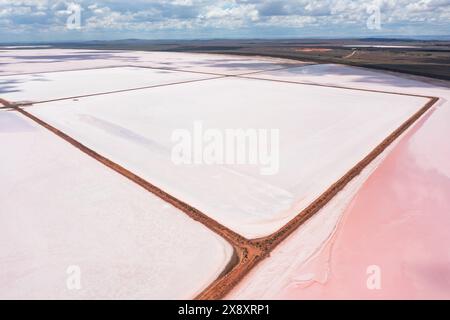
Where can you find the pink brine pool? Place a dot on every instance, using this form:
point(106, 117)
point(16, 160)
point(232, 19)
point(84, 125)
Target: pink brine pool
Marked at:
point(393, 240)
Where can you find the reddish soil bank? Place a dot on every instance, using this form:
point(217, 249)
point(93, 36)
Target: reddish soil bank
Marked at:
point(313, 50)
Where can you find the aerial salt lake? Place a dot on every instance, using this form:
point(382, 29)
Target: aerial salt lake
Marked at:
point(126, 106)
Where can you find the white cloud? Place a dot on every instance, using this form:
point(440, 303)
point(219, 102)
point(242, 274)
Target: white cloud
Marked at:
point(145, 15)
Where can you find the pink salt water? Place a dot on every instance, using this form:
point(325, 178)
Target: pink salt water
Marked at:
point(398, 222)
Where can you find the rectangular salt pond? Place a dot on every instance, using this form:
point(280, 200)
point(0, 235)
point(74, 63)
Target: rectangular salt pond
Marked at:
point(324, 132)
point(63, 213)
point(58, 85)
point(44, 60)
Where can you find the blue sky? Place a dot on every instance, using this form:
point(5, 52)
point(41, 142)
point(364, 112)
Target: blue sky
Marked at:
point(46, 20)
